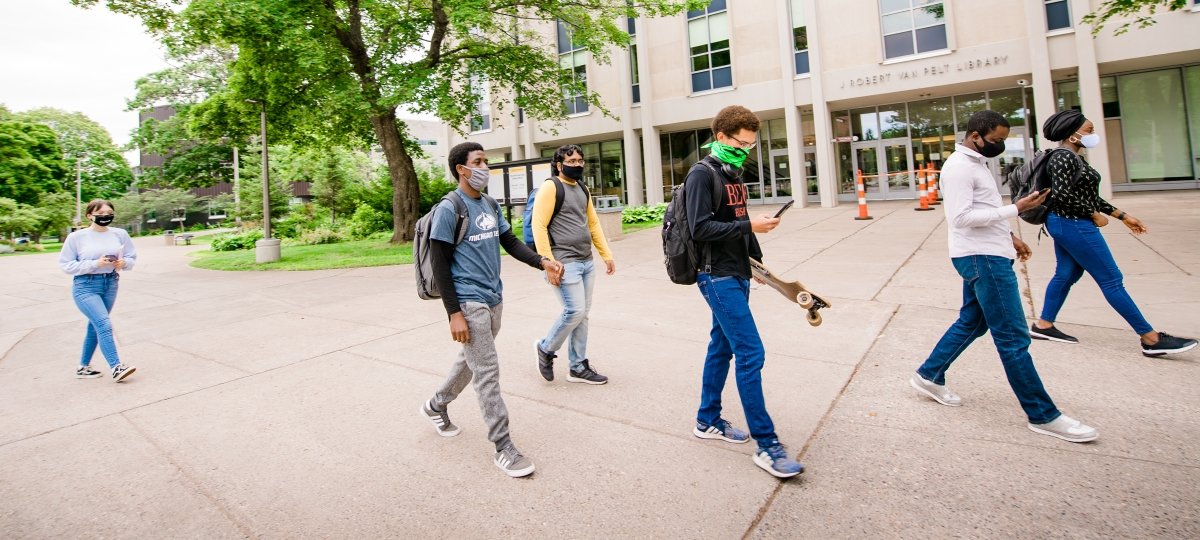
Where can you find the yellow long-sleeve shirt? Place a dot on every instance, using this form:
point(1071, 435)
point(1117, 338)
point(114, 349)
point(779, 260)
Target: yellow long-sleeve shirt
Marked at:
point(543, 209)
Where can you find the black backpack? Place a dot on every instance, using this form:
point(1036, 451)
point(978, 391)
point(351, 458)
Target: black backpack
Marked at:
point(681, 255)
point(1034, 175)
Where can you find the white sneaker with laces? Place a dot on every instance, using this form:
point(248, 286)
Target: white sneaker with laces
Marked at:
point(938, 392)
point(1067, 429)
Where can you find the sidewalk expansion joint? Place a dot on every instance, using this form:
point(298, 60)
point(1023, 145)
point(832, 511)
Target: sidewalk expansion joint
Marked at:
point(194, 482)
point(825, 418)
point(1164, 257)
point(920, 246)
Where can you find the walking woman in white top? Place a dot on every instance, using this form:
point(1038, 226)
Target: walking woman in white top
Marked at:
point(96, 256)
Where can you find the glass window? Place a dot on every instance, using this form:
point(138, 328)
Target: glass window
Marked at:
point(1058, 14)
point(1009, 104)
point(611, 179)
point(1154, 124)
point(708, 38)
point(912, 27)
point(932, 125)
point(481, 117)
point(966, 105)
point(633, 62)
point(893, 121)
point(1070, 98)
point(864, 124)
point(572, 63)
point(1192, 76)
point(799, 37)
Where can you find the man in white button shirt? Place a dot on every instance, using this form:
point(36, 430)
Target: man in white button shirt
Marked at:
point(983, 248)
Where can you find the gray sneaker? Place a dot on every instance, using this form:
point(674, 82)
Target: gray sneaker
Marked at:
point(1067, 429)
point(512, 462)
point(439, 419)
point(938, 392)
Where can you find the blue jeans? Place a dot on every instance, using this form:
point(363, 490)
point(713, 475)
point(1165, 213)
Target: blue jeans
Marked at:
point(575, 293)
point(1079, 246)
point(94, 295)
point(992, 301)
point(734, 335)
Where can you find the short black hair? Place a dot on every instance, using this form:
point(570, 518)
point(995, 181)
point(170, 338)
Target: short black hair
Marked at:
point(561, 154)
point(458, 155)
point(985, 122)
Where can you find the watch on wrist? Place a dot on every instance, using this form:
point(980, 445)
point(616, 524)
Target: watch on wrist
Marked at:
point(1121, 216)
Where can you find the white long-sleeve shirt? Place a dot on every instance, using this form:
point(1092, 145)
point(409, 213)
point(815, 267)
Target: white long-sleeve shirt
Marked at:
point(976, 214)
point(84, 247)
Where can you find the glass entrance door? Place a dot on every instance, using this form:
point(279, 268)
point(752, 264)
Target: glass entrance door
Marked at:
point(781, 175)
point(901, 182)
point(866, 160)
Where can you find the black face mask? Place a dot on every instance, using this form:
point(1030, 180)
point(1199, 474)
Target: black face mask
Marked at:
point(103, 221)
point(574, 173)
point(990, 149)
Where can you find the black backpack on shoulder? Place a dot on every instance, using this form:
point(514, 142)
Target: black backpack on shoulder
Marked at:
point(1034, 175)
point(681, 255)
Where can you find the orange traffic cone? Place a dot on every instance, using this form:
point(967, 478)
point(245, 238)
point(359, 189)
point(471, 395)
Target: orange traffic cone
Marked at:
point(924, 192)
point(934, 196)
point(862, 197)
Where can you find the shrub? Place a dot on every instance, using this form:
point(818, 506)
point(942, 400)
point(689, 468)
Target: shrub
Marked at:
point(643, 214)
point(320, 236)
point(236, 241)
point(367, 221)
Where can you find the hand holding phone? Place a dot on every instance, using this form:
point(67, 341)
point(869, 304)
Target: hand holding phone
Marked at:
point(785, 208)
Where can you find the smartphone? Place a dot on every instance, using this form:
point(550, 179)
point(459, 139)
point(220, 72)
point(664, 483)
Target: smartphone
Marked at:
point(110, 258)
point(785, 208)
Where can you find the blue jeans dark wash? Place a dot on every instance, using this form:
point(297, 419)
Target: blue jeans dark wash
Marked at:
point(95, 295)
point(992, 301)
point(734, 335)
point(1079, 247)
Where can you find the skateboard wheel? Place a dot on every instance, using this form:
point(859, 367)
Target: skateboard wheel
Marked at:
point(805, 299)
point(814, 318)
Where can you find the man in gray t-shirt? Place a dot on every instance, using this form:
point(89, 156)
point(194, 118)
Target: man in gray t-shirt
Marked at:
point(468, 277)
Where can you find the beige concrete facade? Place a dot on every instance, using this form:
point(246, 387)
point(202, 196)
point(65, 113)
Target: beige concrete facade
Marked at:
point(1002, 47)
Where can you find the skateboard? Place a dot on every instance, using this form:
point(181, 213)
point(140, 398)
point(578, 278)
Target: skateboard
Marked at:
point(792, 290)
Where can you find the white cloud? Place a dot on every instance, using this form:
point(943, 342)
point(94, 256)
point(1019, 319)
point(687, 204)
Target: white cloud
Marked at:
point(53, 54)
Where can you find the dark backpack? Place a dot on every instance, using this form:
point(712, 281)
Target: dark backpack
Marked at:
point(681, 255)
point(1034, 175)
point(559, 198)
point(427, 285)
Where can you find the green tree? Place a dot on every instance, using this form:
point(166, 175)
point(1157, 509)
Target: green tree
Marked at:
point(335, 70)
point(1142, 12)
point(56, 213)
point(104, 171)
point(336, 175)
point(17, 218)
point(250, 190)
point(31, 162)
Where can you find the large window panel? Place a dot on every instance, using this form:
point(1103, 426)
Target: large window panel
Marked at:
point(708, 41)
point(572, 61)
point(799, 37)
point(1058, 14)
point(966, 105)
point(1154, 123)
point(1192, 76)
point(912, 27)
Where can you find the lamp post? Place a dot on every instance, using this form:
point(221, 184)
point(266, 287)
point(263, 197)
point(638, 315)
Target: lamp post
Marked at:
point(267, 249)
point(78, 191)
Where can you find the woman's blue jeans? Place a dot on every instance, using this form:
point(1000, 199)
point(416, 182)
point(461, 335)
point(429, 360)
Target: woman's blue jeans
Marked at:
point(95, 295)
point(734, 335)
point(992, 301)
point(1079, 247)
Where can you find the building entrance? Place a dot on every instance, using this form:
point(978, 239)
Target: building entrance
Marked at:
point(886, 167)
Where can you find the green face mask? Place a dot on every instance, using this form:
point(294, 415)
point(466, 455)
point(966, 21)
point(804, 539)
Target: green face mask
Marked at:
point(728, 154)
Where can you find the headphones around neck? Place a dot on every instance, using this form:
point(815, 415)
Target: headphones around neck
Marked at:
point(729, 170)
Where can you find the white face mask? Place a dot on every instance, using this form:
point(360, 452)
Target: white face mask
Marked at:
point(479, 178)
point(1091, 140)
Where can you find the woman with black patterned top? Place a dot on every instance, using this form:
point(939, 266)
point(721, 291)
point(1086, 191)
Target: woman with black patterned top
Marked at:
point(1076, 213)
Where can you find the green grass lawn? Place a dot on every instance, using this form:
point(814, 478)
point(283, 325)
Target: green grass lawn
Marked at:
point(341, 255)
point(47, 247)
point(634, 227)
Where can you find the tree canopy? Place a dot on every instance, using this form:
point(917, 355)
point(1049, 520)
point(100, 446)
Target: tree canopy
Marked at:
point(336, 71)
point(1141, 11)
point(31, 161)
point(104, 171)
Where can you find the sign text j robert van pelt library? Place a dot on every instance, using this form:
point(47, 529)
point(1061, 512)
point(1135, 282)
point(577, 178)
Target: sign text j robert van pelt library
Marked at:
point(929, 70)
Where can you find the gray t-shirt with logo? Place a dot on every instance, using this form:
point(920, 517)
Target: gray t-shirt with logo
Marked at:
point(476, 266)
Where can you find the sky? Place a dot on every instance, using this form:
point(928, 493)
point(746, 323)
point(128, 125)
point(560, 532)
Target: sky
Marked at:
point(53, 54)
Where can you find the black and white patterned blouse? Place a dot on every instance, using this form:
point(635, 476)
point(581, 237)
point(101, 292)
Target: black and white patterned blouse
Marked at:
point(1070, 198)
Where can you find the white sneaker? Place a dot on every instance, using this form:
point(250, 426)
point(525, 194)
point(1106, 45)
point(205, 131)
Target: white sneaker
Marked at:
point(1067, 429)
point(938, 392)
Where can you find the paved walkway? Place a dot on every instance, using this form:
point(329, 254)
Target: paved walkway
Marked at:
point(283, 404)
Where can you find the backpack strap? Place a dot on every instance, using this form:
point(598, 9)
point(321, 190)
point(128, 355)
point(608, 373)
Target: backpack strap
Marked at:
point(560, 197)
point(460, 210)
point(716, 196)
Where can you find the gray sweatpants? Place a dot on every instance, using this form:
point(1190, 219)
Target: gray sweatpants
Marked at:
point(478, 359)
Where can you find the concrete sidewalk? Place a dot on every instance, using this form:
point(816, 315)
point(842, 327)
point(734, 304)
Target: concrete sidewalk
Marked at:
point(284, 404)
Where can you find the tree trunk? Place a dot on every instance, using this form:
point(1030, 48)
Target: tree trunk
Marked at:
point(406, 194)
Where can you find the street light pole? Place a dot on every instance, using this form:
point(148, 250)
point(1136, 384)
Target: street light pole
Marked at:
point(78, 191)
point(267, 249)
point(237, 182)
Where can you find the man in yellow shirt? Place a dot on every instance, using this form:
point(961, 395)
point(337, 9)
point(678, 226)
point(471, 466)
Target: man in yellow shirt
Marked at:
point(565, 228)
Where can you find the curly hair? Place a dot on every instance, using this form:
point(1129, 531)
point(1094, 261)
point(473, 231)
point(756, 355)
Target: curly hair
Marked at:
point(561, 154)
point(733, 119)
point(458, 155)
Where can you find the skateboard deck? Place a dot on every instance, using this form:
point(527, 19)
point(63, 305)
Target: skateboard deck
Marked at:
point(792, 290)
